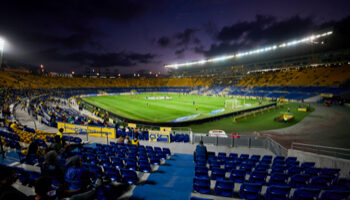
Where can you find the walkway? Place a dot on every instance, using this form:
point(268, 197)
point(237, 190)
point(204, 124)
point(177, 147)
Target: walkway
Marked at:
point(173, 180)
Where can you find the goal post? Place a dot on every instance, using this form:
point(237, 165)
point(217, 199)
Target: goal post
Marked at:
point(232, 104)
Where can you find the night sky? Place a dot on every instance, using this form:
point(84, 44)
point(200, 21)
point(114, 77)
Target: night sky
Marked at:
point(128, 36)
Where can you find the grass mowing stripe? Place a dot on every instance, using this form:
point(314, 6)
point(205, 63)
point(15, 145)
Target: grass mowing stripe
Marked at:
point(135, 106)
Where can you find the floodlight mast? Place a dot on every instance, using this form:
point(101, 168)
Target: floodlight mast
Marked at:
point(2, 44)
point(311, 38)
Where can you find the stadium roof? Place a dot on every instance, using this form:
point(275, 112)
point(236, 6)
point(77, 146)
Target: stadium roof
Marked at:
point(310, 38)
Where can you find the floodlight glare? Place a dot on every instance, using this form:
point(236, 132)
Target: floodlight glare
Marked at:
point(251, 52)
point(2, 43)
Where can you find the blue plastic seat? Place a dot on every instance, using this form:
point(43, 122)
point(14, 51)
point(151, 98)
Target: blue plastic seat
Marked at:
point(117, 162)
point(278, 168)
point(224, 188)
point(214, 165)
point(201, 172)
point(255, 157)
point(186, 138)
point(238, 176)
point(330, 172)
point(279, 158)
point(299, 180)
point(312, 171)
point(305, 194)
point(167, 151)
point(201, 185)
point(233, 156)
point(246, 167)
point(306, 165)
point(294, 170)
point(199, 198)
point(243, 157)
point(218, 174)
point(267, 157)
point(144, 166)
point(131, 164)
point(154, 160)
point(229, 166)
point(341, 184)
point(279, 179)
point(258, 177)
point(335, 195)
point(221, 155)
point(277, 192)
point(262, 167)
point(250, 191)
point(322, 182)
point(113, 174)
point(129, 176)
point(291, 159)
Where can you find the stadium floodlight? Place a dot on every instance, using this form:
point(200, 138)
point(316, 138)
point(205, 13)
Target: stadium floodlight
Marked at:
point(2, 44)
point(252, 52)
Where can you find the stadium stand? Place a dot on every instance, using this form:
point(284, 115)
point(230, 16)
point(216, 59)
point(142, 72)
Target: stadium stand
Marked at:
point(284, 178)
point(332, 75)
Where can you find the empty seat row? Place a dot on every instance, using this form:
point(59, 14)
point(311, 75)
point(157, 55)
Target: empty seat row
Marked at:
point(253, 191)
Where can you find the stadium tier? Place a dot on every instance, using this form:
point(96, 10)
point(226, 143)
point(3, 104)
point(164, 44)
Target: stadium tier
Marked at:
point(123, 138)
point(332, 75)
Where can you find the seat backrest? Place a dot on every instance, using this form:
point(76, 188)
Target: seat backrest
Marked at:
point(335, 195)
point(306, 193)
point(277, 192)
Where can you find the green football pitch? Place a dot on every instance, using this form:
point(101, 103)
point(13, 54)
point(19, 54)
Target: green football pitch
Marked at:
point(151, 107)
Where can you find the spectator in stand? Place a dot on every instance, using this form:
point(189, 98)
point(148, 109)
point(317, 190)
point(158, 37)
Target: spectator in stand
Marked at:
point(201, 150)
point(7, 191)
point(57, 145)
point(127, 140)
point(76, 177)
point(43, 190)
point(53, 169)
point(32, 152)
point(120, 139)
point(135, 141)
point(60, 132)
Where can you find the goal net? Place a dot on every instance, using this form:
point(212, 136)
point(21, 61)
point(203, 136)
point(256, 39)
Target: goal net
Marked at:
point(232, 104)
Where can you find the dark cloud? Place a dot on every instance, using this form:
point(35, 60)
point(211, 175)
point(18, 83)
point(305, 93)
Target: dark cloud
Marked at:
point(120, 59)
point(185, 37)
point(235, 31)
point(180, 52)
point(180, 39)
point(163, 41)
point(101, 60)
point(262, 30)
point(123, 10)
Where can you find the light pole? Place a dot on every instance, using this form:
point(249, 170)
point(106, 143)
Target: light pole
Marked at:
point(2, 43)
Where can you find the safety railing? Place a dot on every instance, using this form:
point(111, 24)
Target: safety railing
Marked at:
point(243, 141)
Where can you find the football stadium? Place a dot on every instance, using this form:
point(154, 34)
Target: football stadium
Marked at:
point(252, 106)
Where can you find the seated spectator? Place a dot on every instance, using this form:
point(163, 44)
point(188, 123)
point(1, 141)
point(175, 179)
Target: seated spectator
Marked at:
point(127, 140)
point(7, 191)
point(201, 150)
point(51, 168)
point(60, 132)
point(135, 141)
point(57, 145)
point(43, 190)
point(76, 177)
point(120, 139)
point(32, 153)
